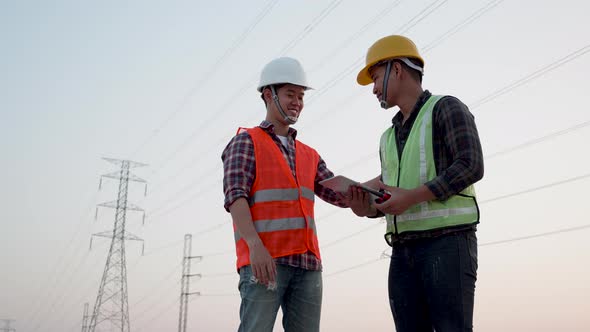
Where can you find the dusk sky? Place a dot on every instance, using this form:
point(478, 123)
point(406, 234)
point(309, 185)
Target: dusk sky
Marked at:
point(168, 83)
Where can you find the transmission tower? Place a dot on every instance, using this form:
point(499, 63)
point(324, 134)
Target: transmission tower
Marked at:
point(85, 318)
point(7, 327)
point(184, 283)
point(111, 307)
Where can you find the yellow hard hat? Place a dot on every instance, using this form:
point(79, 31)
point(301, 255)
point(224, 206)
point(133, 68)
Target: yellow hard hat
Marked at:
point(389, 47)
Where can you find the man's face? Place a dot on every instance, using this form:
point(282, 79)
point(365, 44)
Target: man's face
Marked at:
point(291, 100)
point(378, 75)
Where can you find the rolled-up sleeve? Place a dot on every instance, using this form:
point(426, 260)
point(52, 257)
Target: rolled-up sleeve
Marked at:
point(455, 126)
point(239, 168)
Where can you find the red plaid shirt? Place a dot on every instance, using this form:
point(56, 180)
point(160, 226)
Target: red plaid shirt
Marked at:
point(239, 171)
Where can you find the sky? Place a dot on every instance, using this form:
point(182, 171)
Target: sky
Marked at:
point(167, 84)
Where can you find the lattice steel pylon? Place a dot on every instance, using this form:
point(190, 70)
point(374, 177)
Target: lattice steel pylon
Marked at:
point(85, 318)
point(111, 309)
point(185, 282)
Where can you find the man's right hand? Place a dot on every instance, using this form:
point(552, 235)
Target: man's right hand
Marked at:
point(262, 263)
point(359, 202)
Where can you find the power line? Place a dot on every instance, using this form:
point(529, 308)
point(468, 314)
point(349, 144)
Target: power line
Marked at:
point(520, 146)
point(198, 157)
point(341, 239)
point(385, 255)
point(425, 12)
point(371, 22)
point(577, 178)
point(57, 299)
point(201, 83)
point(405, 27)
point(56, 267)
point(166, 246)
point(375, 19)
point(533, 236)
point(458, 27)
point(308, 28)
point(357, 266)
point(538, 73)
point(498, 153)
point(187, 187)
point(354, 267)
point(220, 253)
point(160, 313)
point(508, 150)
point(527, 191)
point(217, 294)
point(480, 12)
point(217, 275)
point(329, 244)
point(224, 108)
point(540, 139)
point(188, 199)
point(167, 290)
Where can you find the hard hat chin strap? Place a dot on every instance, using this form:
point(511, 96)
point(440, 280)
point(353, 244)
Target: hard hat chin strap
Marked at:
point(383, 100)
point(275, 97)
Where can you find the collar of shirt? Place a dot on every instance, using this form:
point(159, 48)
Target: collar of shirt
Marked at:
point(270, 128)
point(398, 118)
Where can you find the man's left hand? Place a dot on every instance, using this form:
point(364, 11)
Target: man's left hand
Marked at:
point(400, 200)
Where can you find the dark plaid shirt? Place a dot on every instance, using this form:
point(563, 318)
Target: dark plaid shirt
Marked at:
point(239, 171)
point(457, 152)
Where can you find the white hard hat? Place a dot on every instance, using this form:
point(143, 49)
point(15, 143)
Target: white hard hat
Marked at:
point(283, 70)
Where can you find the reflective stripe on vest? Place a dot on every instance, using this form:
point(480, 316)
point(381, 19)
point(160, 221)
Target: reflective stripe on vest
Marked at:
point(415, 168)
point(281, 205)
point(272, 225)
point(269, 195)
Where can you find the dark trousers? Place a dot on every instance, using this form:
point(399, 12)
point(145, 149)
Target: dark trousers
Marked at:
point(432, 283)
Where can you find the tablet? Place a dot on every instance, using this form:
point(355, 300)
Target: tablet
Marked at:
point(340, 184)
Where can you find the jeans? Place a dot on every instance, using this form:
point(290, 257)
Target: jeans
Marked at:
point(298, 293)
point(432, 283)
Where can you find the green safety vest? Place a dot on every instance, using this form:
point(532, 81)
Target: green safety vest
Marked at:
point(416, 168)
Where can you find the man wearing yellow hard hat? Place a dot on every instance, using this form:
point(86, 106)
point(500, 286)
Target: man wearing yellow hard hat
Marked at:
point(430, 158)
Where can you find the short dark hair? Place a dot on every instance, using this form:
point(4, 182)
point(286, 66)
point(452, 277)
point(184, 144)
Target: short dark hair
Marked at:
point(277, 88)
point(417, 75)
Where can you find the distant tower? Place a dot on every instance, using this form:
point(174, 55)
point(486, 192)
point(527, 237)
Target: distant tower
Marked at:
point(111, 309)
point(184, 283)
point(7, 327)
point(85, 318)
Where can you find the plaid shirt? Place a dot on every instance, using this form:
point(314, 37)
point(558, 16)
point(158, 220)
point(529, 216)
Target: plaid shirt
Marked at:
point(457, 152)
point(239, 171)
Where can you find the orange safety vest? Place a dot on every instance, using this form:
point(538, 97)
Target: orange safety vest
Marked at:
point(280, 204)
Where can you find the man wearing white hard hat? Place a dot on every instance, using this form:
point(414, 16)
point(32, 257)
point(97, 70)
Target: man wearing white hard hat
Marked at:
point(270, 182)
